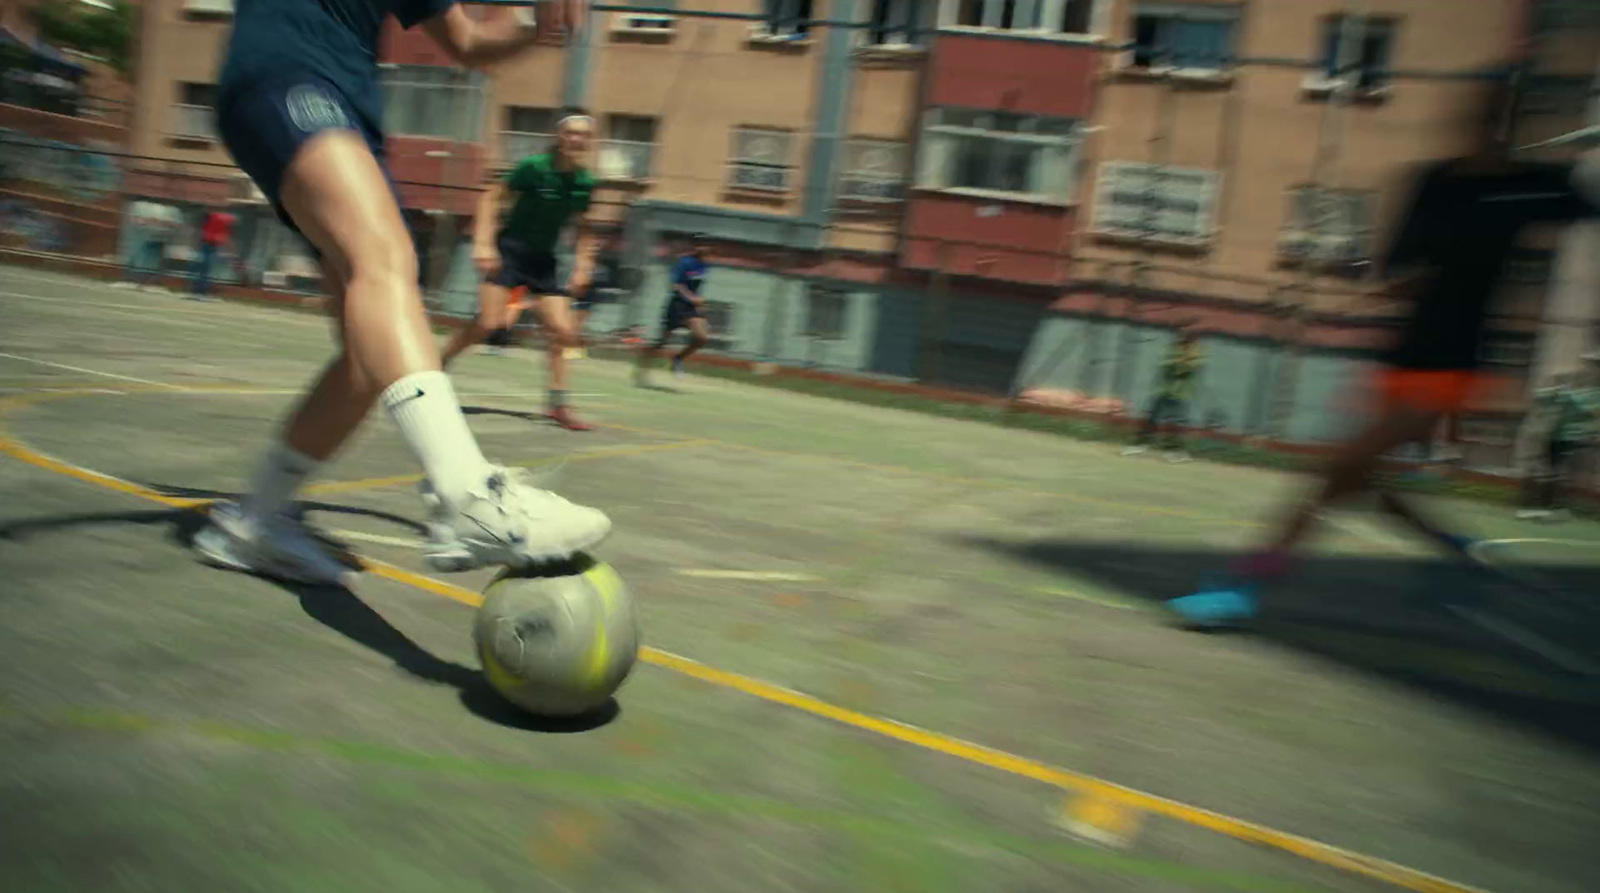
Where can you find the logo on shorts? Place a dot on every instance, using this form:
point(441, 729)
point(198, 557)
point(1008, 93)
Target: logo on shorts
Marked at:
point(312, 109)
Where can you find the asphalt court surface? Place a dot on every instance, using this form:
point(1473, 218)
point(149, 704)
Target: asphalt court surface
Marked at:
point(888, 651)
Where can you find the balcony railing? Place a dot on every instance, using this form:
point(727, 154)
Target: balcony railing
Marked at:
point(192, 122)
point(624, 160)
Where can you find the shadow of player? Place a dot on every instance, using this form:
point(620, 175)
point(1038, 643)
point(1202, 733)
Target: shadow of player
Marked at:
point(340, 610)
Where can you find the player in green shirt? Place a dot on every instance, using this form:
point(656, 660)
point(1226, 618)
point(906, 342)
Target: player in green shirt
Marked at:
point(1571, 406)
point(551, 192)
point(1174, 389)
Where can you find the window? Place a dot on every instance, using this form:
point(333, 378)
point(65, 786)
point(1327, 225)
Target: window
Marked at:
point(1331, 212)
point(874, 171)
point(1328, 225)
point(894, 22)
point(1370, 60)
point(760, 159)
point(1154, 201)
point(1025, 155)
point(1507, 349)
point(789, 19)
point(827, 312)
point(528, 131)
point(626, 150)
point(432, 100)
point(1178, 36)
point(1069, 17)
point(194, 114)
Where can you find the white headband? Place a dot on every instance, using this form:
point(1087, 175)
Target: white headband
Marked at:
point(572, 119)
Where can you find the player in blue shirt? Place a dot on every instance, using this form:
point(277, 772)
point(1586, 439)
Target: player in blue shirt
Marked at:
point(685, 310)
point(299, 107)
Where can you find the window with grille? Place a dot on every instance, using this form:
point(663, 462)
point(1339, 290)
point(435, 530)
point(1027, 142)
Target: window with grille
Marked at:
point(1155, 201)
point(874, 171)
point(529, 130)
point(1328, 224)
point(761, 159)
point(1004, 152)
point(827, 312)
point(432, 100)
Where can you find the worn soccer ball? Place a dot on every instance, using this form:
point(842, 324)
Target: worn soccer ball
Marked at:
point(557, 644)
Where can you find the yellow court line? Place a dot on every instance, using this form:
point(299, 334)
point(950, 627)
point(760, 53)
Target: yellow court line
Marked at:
point(1312, 850)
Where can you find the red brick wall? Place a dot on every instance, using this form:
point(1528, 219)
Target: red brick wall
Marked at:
point(1037, 76)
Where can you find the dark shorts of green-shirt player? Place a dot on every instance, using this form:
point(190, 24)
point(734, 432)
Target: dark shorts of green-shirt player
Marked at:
point(550, 195)
point(1169, 408)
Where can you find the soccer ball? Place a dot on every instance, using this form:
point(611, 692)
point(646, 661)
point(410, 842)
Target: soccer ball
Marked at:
point(557, 644)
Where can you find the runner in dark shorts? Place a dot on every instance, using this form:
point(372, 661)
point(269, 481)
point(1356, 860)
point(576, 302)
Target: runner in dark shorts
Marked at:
point(552, 191)
point(685, 310)
point(1463, 223)
point(299, 107)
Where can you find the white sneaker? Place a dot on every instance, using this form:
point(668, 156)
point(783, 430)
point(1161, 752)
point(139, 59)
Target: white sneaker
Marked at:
point(281, 547)
point(508, 521)
point(1134, 450)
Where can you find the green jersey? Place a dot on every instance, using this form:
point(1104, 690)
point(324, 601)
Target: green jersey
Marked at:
point(547, 199)
point(1178, 371)
point(1574, 413)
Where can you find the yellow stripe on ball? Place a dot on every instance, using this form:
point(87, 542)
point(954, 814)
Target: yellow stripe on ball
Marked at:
point(606, 582)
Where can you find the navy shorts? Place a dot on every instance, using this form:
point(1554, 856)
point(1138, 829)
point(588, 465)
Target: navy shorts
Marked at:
point(679, 312)
point(522, 267)
point(265, 123)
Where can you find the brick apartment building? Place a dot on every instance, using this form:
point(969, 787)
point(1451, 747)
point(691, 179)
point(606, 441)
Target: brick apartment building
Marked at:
point(989, 193)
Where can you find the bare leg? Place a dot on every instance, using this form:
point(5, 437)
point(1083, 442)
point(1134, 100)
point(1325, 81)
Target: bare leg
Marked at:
point(1351, 469)
point(493, 309)
point(699, 335)
point(555, 313)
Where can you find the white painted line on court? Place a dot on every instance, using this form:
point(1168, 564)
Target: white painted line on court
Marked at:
point(765, 576)
point(378, 538)
point(132, 378)
point(1102, 601)
point(1483, 545)
point(1520, 635)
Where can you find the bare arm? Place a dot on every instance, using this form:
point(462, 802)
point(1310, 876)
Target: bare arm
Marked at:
point(483, 224)
point(475, 44)
point(588, 245)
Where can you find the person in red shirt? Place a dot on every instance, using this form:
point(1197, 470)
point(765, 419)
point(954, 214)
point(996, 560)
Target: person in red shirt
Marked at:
point(214, 236)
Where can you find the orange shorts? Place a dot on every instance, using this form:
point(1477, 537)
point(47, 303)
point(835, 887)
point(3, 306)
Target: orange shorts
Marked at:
point(1433, 390)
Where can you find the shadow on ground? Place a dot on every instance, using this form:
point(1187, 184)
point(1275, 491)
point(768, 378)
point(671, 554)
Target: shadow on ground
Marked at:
point(1463, 634)
point(337, 608)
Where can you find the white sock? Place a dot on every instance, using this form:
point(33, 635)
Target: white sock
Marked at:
point(424, 405)
point(282, 472)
